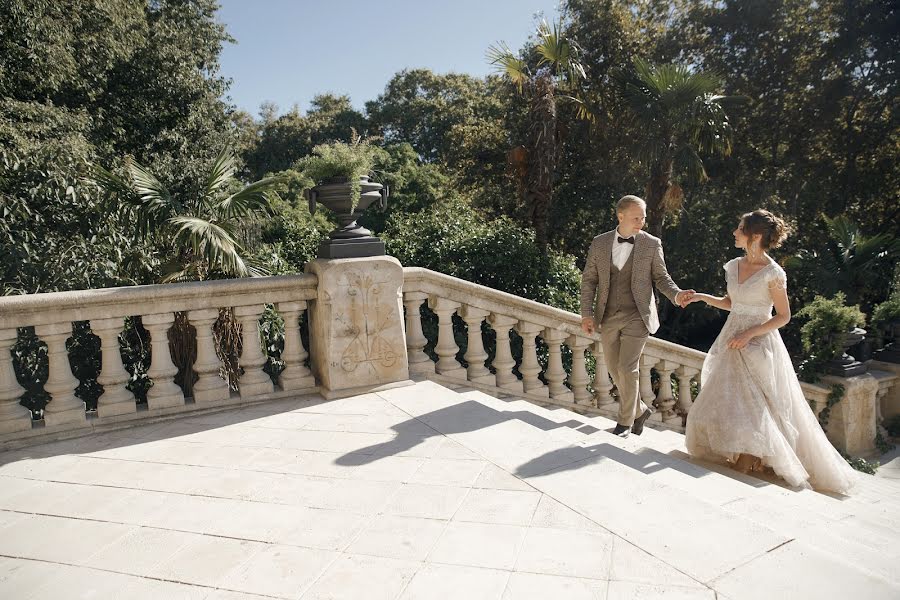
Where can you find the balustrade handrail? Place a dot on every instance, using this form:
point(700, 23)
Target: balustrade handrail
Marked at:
point(419, 279)
point(84, 305)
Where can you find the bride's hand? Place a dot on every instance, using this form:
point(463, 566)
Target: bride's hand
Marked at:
point(740, 340)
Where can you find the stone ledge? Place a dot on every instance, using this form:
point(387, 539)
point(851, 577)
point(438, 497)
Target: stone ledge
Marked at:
point(41, 434)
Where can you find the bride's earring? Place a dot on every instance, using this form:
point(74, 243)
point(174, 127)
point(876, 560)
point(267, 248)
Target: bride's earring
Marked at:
point(753, 251)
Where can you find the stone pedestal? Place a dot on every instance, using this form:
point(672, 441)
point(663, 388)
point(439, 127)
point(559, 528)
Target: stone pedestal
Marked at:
point(357, 335)
point(852, 423)
point(890, 401)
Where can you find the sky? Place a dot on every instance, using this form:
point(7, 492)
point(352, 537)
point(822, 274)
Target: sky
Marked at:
point(289, 51)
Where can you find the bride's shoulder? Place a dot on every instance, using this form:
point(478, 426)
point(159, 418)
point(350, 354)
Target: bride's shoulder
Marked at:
point(730, 265)
point(776, 275)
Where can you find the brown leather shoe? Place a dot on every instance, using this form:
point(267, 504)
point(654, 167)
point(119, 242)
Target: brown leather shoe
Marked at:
point(621, 430)
point(638, 427)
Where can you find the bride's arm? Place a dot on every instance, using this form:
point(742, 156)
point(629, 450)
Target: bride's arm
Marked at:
point(723, 303)
point(782, 312)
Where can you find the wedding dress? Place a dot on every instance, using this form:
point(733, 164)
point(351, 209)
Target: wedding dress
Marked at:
point(751, 401)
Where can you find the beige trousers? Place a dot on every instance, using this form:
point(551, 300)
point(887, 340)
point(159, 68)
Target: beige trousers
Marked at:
point(623, 336)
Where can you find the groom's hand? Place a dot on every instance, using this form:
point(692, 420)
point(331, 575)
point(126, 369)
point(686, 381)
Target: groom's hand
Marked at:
point(683, 298)
point(587, 324)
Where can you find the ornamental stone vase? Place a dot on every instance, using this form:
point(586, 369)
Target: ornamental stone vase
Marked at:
point(846, 365)
point(350, 239)
point(890, 348)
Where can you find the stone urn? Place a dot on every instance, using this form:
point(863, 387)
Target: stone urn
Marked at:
point(890, 346)
point(350, 239)
point(846, 365)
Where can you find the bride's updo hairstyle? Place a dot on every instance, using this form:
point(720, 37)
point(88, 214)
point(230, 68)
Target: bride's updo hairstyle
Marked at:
point(772, 228)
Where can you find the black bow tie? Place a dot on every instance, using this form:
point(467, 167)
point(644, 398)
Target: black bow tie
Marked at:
point(626, 240)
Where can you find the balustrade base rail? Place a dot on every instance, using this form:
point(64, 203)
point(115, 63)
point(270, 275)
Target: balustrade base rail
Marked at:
point(40, 433)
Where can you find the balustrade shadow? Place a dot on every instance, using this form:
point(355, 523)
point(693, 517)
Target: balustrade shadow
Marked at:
point(470, 416)
point(143, 433)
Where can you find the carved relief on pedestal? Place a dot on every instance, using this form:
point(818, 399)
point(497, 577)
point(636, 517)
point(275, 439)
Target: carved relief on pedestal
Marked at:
point(366, 320)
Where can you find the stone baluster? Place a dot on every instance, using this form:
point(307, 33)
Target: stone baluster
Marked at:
point(13, 416)
point(64, 405)
point(446, 347)
point(879, 415)
point(254, 381)
point(556, 374)
point(116, 398)
point(646, 385)
point(685, 400)
point(165, 392)
point(296, 375)
point(475, 353)
point(210, 386)
point(530, 367)
point(664, 399)
point(578, 379)
point(419, 361)
point(601, 384)
point(503, 359)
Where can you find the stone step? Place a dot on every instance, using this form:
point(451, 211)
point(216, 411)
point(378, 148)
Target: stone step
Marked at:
point(673, 509)
point(818, 520)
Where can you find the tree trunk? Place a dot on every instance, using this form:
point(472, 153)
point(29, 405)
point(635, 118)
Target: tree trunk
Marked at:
point(543, 156)
point(660, 178)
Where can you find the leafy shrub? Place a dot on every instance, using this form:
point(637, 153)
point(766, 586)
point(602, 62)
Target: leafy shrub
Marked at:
point(340, 159)
point(887, 311)
point(827, 319)
point(452, 238)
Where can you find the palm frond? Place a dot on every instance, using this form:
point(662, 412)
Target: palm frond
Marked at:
point(150, 190)
point(553, 48)
point(221, 174)
point(140, 198)
point(689, 162)
point(212, 242)
point(584, 111)
point(508, 64)
point(109, 182)
point(255, 198)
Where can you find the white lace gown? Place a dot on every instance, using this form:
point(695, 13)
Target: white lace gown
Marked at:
point(751, 402)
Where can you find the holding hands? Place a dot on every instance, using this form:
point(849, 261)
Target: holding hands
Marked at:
point(685, 297)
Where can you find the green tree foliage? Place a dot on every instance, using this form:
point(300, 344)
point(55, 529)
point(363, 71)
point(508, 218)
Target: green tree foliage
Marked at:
point(680, 117)
point(556, 78)
point(282, 140)
point(86, 81)
point(454, 239)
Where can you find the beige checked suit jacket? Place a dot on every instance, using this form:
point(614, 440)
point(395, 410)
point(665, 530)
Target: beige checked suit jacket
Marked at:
point(648, 268)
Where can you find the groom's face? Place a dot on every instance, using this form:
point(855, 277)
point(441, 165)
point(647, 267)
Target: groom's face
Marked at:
point(632, 219)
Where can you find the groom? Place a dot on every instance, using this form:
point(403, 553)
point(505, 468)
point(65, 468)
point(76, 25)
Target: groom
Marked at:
point(623, 265)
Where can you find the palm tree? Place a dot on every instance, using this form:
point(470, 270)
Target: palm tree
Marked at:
point(555, 79)
point(859, 266)
point(202, 230)
point(677, 117)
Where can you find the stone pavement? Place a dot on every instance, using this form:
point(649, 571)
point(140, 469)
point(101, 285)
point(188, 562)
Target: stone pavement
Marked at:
point(421, 492)
point(890, 464)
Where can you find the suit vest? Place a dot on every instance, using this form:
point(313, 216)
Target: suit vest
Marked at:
point(620, 297)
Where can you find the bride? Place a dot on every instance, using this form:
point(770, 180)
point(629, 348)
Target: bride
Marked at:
point(751, 410)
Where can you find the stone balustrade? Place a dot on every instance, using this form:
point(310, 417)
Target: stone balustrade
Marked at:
point(53, 314)
point(557, 362)
point(539, 352)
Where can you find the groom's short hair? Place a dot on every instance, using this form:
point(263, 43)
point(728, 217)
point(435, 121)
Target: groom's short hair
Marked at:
point(626, 201)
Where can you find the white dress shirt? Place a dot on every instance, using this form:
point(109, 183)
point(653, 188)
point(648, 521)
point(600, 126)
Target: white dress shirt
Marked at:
point(621, 251)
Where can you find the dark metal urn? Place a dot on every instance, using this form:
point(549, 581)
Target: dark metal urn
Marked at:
point(890, 348)
point(350, 239)
point(846, 365)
